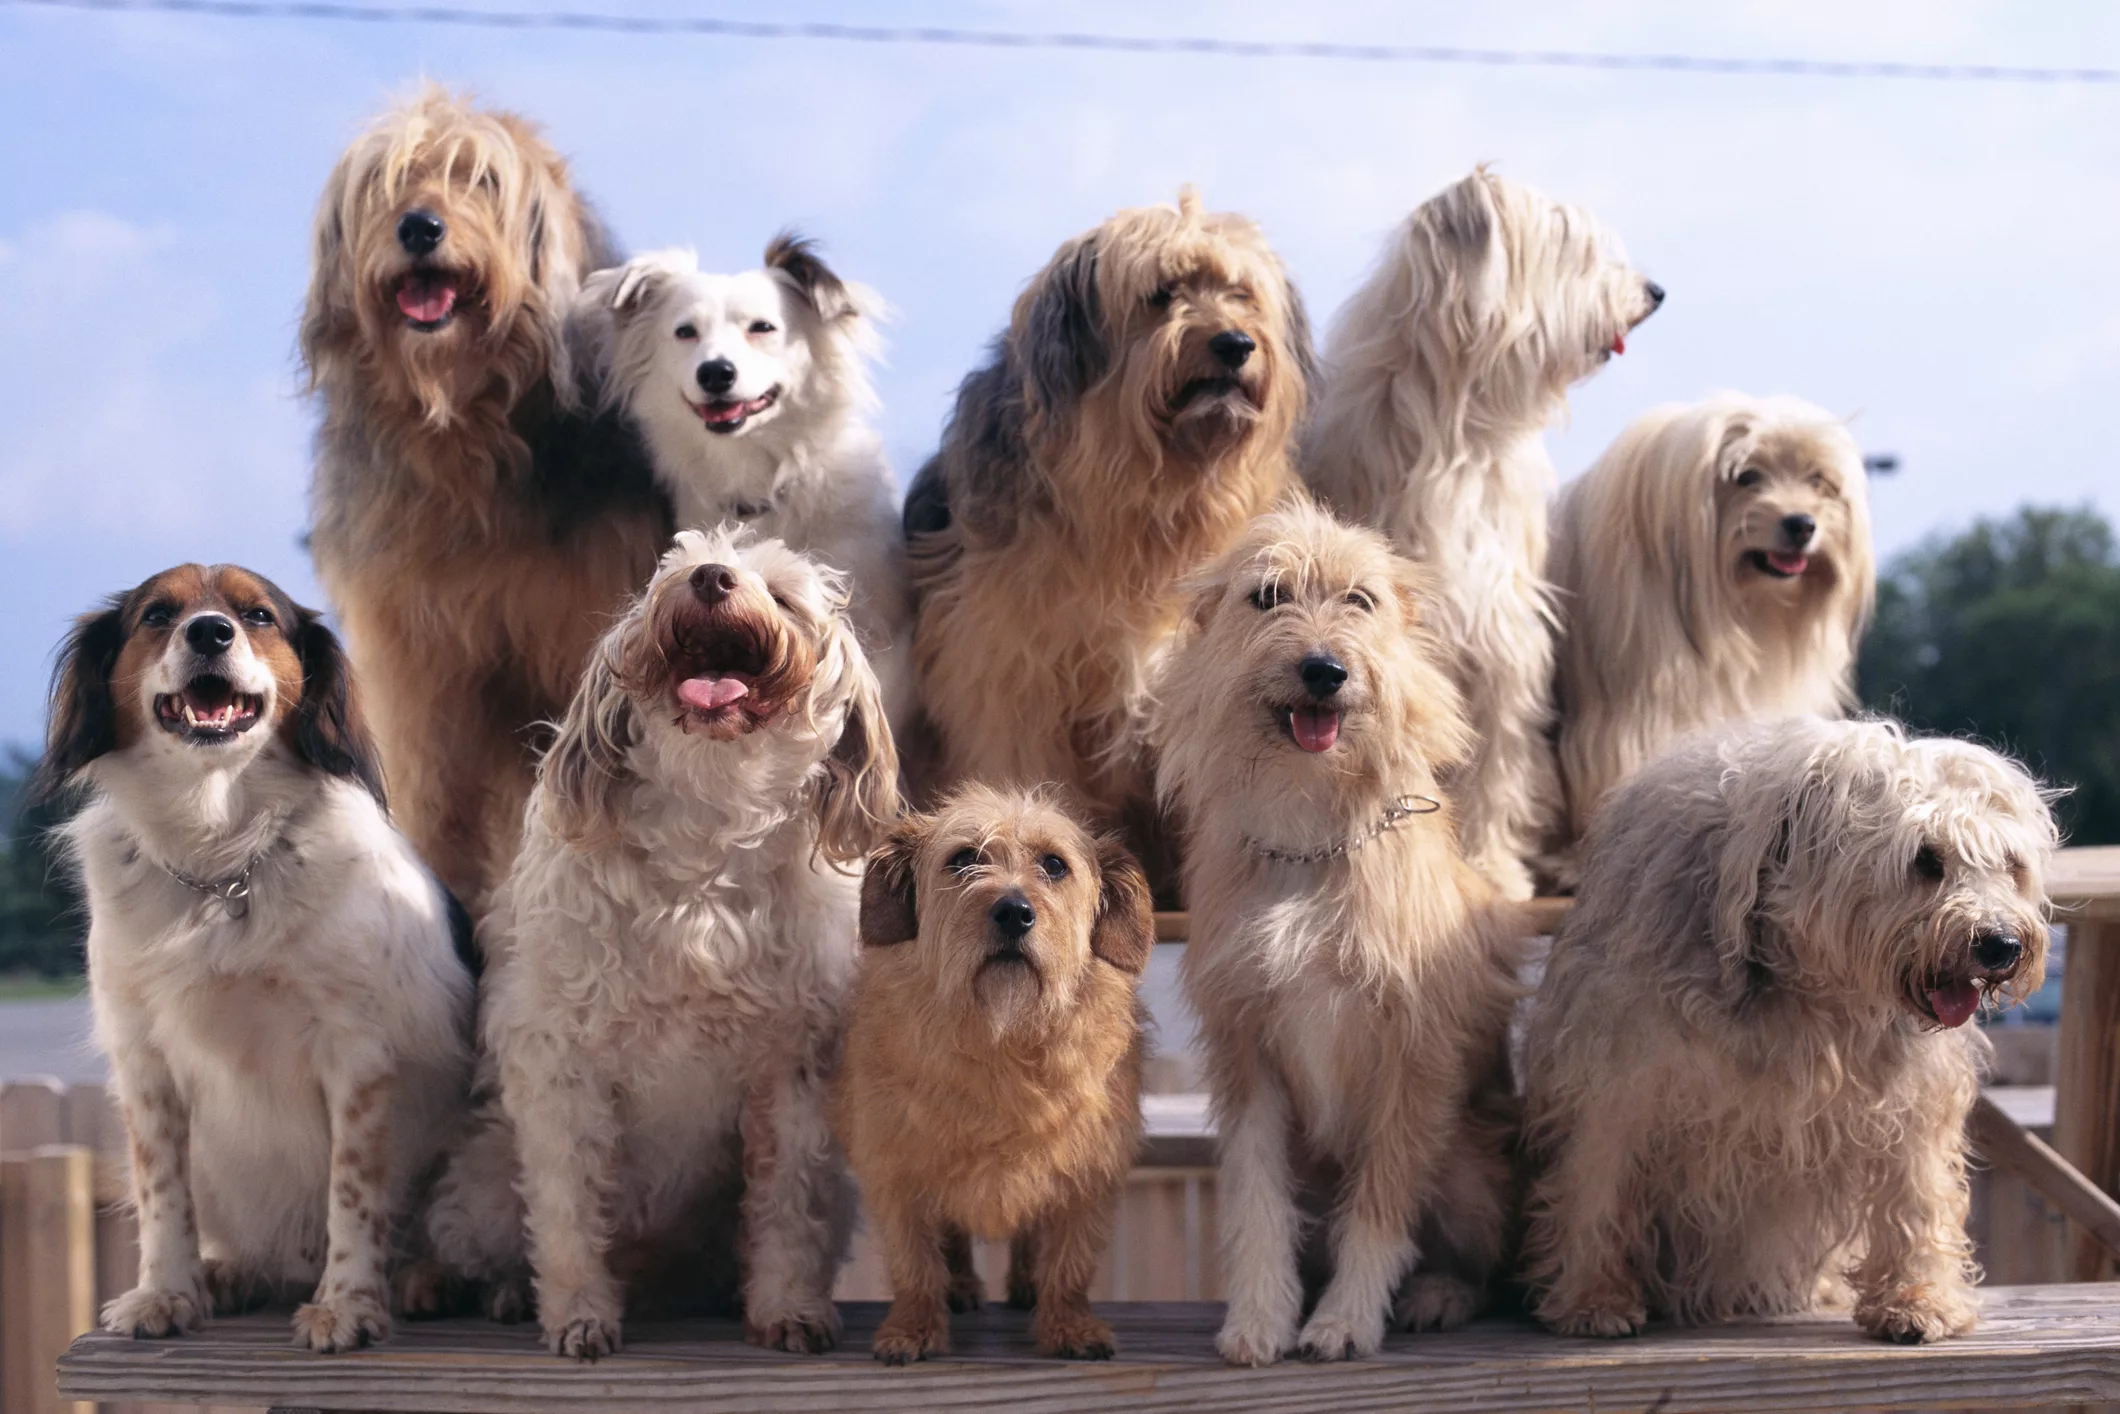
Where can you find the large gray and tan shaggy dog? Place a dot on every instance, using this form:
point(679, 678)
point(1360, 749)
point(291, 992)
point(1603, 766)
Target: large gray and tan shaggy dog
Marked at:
point(1748, 1070)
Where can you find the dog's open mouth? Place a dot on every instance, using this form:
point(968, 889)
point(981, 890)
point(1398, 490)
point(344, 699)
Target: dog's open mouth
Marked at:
point(208, 711)
point(427, 298)
point(1310, 727)
point(1949, 1002)
point(726, 415)
point(719, 682)
point(1778, 564)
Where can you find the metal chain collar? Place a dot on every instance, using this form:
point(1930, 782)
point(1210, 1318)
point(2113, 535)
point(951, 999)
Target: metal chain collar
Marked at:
point(1402, 809)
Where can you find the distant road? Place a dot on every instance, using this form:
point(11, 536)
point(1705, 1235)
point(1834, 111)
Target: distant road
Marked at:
point(47, 1038)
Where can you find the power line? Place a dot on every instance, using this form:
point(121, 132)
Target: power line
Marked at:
point(1100, 43)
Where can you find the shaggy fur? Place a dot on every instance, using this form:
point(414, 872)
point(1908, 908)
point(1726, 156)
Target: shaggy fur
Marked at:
point(1105, 450)
point(674, 947)
point(1714, 564)
point(474, 530)
point(1747, 1071)
point(993, 1061)
point(1443, 371)
point(1352, 972)
point(288, 1030)
point(752, 394)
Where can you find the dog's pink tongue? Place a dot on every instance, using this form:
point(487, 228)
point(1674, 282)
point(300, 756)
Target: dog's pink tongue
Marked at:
point(711, 694)
point(1619, 343)
point(426, 300)
point(1788, 564)
point(1954, 1002)
point(1316, 728)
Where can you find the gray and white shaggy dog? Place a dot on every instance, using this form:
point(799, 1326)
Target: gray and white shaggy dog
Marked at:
point(1748, 1069)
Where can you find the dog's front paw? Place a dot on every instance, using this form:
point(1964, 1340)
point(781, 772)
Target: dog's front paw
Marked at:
point(579, 1326)
point(1432, 1302)
point(1917, 1315)
point(1254, 1340)
point(904, 1338)
point(342, 1320)
point(1337, 1335)
point(1073, 1335)
point(151, 1312)
point(967, 1290)
point(806, 1331)
point(427, 1290)
point(1608, 1318)
point(510, 1299)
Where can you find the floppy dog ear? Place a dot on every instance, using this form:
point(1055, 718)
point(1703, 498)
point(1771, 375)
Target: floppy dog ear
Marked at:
point(1303, 345)
point(1760, 844)
point(795, 258)
point(584, 774)
point(858, 794)
point(1125, 931)
point(84, 710)
point(1060, 346)
point(328, 318)
point(889, 912)
point(328, 731)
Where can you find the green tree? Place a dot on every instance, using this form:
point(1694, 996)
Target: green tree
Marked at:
point(2009, 633)
point(42, 926)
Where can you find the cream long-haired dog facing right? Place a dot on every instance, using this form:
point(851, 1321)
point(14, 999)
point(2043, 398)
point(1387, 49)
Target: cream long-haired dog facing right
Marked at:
point(1352, 972)
point(1748, 1071)
point(1441, 374)
point(1715, 563)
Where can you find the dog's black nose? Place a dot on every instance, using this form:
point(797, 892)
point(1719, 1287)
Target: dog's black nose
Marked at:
point(419, 232)
point(1013, 916)
point(1322, 674)
point(716, 375)
point(1654, 291)
point(713, 583)
point(1997, 952)
point(210, 634)
point(1799, 528)
point(1232, 347)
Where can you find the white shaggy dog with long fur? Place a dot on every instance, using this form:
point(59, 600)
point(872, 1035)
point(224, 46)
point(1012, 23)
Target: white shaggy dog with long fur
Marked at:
point(752, 394)
point(673, 949)
point(1748, 1069)
point(1714, 564)
point(1442, 373)
point(273, 970)
point(1353, 974)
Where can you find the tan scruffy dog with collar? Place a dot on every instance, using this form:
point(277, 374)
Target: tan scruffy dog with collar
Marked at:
point(991, 1080)
point(1352, 970)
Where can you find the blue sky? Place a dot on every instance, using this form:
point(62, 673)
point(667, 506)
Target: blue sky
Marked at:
point(1935, 260)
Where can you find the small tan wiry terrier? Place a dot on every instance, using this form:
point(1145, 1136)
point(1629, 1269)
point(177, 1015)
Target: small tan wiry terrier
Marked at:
point(991, 1078)
point(1748, 1072)
point(1352, 971)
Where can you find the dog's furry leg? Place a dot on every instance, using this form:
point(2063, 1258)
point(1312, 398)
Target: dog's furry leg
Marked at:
point(1588, 1243)
point(171, 1296)
point(967, 1289)
point(1023, 1269)
point(1068, 1245)
point(790, 1182)
point(1372, 1237)
point(475, 1217)
point(918, 1323)
point(567, 1140)
point(1259, 1226)
point(1915, 1281)
point(352, 1303)
point(1509, 792)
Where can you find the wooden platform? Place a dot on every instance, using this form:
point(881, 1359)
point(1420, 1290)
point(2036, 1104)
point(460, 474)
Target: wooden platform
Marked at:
point(2045, 1345)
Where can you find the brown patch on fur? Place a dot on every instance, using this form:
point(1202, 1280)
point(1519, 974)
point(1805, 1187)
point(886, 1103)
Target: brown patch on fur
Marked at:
point(1025, 1054)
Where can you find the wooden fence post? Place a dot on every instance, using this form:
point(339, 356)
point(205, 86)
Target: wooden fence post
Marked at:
point(2087, 1095)
point(48, 1248)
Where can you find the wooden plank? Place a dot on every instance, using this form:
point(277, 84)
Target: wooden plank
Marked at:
point(2009, 1144)
point(2085, 884)
point(1545, 915)
point(47, 1206)
point(2087, 1087)
point(2037, 1345)
point(32, 1114)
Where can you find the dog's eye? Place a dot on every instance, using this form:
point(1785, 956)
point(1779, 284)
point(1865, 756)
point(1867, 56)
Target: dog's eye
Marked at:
point(687, 332)
point(1821, 486)
point(1243, 295)
point(258, 618)
point(159, 616)
point(1053, 867)
point(764, 326)
point(1362, 599)
point(1162, 297)
point(782, 600)
point(962, 860)
point(1751, 476)
point(1928, 863)
point(1269, 596)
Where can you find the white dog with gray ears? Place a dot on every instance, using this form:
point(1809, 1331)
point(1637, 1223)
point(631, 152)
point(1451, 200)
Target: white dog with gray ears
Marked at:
point(752, 394)
point(1748, 1069)
point(1441, 375)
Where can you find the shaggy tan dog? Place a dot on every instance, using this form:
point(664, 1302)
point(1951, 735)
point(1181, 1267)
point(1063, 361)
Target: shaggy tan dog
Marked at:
point(1714, 564)
point(1748, 1071)
point(474, 532)
point(1136, 415)
point(1352, 972)
point(1442, 373)
point(674, 948)
point(990, 1086)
